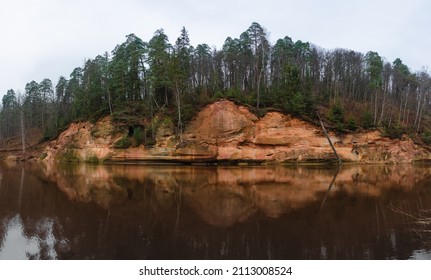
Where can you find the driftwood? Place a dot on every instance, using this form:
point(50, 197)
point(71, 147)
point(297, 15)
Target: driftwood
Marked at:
point(327, 137)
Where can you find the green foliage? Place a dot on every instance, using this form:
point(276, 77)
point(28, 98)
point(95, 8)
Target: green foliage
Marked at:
point(123, 143)
point(131, 113)
point(339, 126)
point(50, 133)
point(367, 120)
point(426, 137)
point(93, 159)
point(374, 68)
point(9, 99)
point(68, 155)
point(166, 121)
point(43, 156)
point(148, 135)
point(394, 130)
point(293, 95)
point(138, 135)
point(351, 124)
point(336, 114)
point(142, 84)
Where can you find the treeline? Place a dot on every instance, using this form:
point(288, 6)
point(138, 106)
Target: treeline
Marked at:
point(139, 80)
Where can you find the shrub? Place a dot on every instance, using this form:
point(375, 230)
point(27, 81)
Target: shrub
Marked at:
point(123, 143)
point(395, 131)
point(367, 120)
point(138, 135)
point(68, 155)
point(93, 159)
point(426, 137)
point(336, 114)
point(351, 124)
point(339, 126)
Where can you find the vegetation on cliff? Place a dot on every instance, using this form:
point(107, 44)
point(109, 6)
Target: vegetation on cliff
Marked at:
point(226, 133)
point(139, 80)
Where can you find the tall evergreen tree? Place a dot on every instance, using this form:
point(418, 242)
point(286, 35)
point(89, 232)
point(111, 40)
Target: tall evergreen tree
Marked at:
point(375, 70)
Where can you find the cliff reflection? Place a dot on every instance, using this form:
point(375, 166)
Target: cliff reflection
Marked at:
point(183, 212)
point(223, 196)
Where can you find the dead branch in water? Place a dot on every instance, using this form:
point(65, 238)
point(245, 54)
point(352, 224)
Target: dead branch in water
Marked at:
point(400, 211)
point(422, 222)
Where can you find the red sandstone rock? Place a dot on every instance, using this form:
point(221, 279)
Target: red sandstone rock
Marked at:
point(223, 131)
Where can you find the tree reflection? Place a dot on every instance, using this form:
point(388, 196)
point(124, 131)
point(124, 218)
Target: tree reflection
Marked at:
point(182, 212)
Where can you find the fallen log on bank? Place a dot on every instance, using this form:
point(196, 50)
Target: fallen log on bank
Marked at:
point(327, 137)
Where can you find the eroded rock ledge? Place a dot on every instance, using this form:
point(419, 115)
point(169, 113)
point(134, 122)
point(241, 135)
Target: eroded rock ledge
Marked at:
point(224, 132)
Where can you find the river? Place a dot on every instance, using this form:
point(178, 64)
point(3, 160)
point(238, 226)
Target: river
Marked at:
point(207, 212)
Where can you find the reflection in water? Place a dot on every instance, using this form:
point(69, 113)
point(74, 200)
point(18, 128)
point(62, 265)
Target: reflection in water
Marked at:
point(330, 187)
point(16, 245)
point(183, 212)
point(421, 255)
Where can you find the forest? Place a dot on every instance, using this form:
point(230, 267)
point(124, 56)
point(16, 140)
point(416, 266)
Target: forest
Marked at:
point(139, 80)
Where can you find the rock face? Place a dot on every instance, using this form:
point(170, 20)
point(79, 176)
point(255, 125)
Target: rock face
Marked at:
point(225, 132)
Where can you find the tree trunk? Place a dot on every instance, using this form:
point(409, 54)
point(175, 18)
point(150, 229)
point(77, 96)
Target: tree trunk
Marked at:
point(329, 139)
point(421, 112)
point(405, 107)
point(109, 94)
point(401, 108)
point(22, 132)
point(418, 108)
point(178, 99)
point(385, 94)
point(375, 106)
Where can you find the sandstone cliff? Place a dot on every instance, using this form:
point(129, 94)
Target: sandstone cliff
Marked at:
point(225, 132)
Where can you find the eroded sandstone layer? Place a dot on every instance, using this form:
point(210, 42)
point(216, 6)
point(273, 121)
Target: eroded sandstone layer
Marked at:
point(228, 133)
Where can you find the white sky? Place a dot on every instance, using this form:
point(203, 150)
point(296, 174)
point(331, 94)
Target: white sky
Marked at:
point(49, 38)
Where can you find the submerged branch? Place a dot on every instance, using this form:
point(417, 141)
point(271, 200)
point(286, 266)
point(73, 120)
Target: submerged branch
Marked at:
point(422, 222)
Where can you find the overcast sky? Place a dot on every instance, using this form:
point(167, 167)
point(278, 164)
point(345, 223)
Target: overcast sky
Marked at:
point(49, 38)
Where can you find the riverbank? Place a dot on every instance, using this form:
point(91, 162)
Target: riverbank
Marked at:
point(226, 133)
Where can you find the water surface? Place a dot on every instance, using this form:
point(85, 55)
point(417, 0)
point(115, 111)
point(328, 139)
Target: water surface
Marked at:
point(186, 212)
